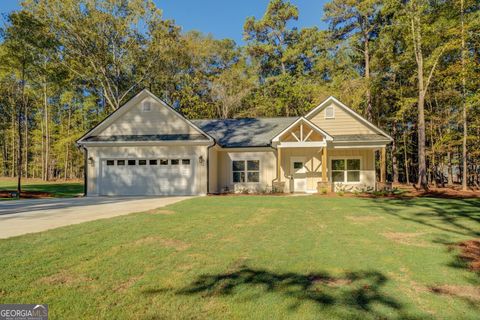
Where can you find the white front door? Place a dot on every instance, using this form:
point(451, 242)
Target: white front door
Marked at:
point(299, 174)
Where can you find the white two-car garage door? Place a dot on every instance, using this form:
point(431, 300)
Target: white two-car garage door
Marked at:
point(153, 176)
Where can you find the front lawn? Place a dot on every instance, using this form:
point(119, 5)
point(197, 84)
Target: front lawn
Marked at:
point(249, 257)
point(39, 189)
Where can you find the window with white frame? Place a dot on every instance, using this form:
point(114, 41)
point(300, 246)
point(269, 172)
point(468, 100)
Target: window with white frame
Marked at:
point(245, 171)
point(346, 170)
point(329, 112)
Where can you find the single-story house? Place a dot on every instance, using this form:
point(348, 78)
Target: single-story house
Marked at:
point(147, 148)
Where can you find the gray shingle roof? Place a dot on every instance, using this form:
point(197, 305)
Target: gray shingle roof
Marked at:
point(148, 137)
point(359, 137)
point(247, 132)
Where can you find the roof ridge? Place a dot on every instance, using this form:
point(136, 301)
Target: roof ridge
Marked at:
point(246, 118)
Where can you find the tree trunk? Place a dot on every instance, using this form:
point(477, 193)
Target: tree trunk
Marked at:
point(12, 167)
point(464, 105)
point(449, 169)
point(394, 153)
point(405, 155)
point(366, 51)
point(47, 134)
point(19, 160)
point(67, 144)
point(417, 42)
point(26, 139)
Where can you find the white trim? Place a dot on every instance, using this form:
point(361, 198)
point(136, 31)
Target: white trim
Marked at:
point(353, 113)
point(306, 144)
point(146, 143)
point(126, 107)
point(302, 119)
point(359, 146)
point(246, 149)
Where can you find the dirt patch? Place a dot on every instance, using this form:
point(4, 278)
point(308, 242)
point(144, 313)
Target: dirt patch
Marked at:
point(124, 286)
point(470, 293)
point(363, 219)
point(25, 194)
point(406, 238)
point(470, 252)
point(259, 217)
point(64, 278)
point(453, 192)
point(169, 243)
point(161, 211)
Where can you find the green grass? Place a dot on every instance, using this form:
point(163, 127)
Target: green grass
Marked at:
point(250, 257)
point(58, 189)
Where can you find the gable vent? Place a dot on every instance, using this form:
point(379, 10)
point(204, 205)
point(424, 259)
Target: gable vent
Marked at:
point(329, 112)
point(147, 106)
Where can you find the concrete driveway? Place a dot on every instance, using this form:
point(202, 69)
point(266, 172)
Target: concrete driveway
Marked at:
point(28, 216)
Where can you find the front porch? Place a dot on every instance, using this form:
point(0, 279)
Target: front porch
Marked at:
point(309, 161)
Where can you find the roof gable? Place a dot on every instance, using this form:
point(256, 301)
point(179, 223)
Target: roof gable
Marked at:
point(370, 128)
point(301, 121)
point(131, 120)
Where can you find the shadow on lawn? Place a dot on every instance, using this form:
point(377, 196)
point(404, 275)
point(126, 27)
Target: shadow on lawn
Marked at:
point(461, 217)
point(355, 291)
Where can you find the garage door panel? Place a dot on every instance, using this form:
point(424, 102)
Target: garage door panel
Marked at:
point(149, 179)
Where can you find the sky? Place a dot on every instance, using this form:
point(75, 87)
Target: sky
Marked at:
point(221, 18)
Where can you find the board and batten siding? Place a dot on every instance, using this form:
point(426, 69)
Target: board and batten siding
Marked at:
point(343, 122)
point(367, 167)
point(221, 169)
point(160, 120)
point(146, 152)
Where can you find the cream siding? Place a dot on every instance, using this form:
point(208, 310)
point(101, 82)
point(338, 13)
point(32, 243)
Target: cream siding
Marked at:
point(343, 122)
point(160, 120)
point(151, 152)
point(367, 168)
point(223, 170)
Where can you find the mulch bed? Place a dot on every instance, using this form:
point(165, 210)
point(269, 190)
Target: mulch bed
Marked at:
point(470, 252)
point(26, 194)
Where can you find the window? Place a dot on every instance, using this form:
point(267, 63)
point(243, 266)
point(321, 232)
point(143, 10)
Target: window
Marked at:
point(142, 162)
point(346, 170)
point(164, 162)
point(120, 162)
point(245, 171)
point(147, 106)
point(297, 165)
point(153, 162)
point(174, 162)
point(238, 170)
point(132, 162)
point(329, 112)
point(110, 162)
point(186, 162)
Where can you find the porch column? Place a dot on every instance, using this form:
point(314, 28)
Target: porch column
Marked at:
point(324, 164)
point(279, 164)
point(383, 164)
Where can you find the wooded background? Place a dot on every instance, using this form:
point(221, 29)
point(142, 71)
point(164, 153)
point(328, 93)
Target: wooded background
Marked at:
point(411, 67)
